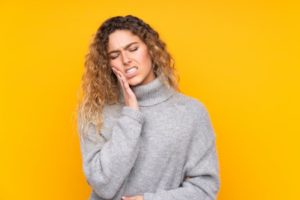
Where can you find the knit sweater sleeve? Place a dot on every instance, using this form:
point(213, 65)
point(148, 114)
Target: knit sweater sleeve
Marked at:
point(201, 167)
point(107, 163)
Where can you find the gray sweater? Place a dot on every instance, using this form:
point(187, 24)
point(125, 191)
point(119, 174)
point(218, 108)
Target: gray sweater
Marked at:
point(150, 152)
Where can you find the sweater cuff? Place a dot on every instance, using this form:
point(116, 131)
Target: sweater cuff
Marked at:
point(134, 114)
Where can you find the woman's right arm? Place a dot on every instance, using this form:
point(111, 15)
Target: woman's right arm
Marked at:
point(107, 163)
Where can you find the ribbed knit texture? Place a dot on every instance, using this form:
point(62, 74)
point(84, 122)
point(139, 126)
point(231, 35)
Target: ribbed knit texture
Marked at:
point(152, 93)
point(152, 150)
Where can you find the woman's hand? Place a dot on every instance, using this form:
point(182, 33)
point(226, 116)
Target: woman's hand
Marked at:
point(139, 197)
point(129, 96)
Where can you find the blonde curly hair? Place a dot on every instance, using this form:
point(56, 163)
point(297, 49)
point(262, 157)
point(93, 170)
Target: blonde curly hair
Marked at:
point(99, 83)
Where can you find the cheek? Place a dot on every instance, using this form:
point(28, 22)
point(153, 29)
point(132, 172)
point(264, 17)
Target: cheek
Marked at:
point(144, 57)
point(115, 63)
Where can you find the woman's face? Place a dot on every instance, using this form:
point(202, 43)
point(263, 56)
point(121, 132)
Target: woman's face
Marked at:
point(130, 55)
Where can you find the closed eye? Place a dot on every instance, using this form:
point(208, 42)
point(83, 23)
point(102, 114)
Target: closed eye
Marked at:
point(134, 49)
point(113, 57)
point(131, 50)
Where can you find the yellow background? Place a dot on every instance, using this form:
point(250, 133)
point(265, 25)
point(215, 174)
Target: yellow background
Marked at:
point(240, 58)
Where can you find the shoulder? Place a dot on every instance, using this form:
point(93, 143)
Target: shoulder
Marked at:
point(199, 115)
point(109, 113)
point(195, 106)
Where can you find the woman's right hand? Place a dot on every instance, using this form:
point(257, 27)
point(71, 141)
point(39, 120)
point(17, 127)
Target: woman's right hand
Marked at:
point(129, 96)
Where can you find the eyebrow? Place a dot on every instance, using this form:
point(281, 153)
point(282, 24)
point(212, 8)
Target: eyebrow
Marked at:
point(126, 47)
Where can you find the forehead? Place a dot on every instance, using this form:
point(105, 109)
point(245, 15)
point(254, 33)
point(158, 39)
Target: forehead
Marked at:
point(120, 38)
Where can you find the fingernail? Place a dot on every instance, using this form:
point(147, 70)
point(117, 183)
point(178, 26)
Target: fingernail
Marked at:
point(123, 197)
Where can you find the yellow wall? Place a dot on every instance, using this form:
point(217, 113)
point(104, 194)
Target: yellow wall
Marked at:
point(240, 58)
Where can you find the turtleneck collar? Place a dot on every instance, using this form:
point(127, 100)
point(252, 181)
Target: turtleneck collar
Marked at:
point(151, 93)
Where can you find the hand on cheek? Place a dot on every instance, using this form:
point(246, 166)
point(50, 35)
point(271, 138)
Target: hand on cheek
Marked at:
point(129, 96)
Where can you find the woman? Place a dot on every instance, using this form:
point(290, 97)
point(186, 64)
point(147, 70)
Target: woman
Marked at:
point(140, 137)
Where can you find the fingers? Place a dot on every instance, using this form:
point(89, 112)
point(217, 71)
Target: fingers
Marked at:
point(119, 76)
point(127, 87)
point(133, 198)
point(128, 198)
point(117, 73)
point(129, 96)
point(123, 81)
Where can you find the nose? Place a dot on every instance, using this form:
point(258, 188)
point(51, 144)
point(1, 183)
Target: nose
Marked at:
point(126, 60)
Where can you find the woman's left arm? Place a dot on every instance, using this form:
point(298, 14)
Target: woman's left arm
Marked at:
point(202, 166)
point(203, 182)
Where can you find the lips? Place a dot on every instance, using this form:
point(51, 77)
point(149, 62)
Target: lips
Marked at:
point(132, 71)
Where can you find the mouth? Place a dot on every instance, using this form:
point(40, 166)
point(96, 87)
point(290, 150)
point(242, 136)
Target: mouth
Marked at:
point(132, 71)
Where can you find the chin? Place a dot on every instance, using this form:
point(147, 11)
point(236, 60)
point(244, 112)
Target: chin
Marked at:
point(135, 81)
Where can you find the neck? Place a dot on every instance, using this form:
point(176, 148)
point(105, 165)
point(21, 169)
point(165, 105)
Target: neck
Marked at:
point(151, 93)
